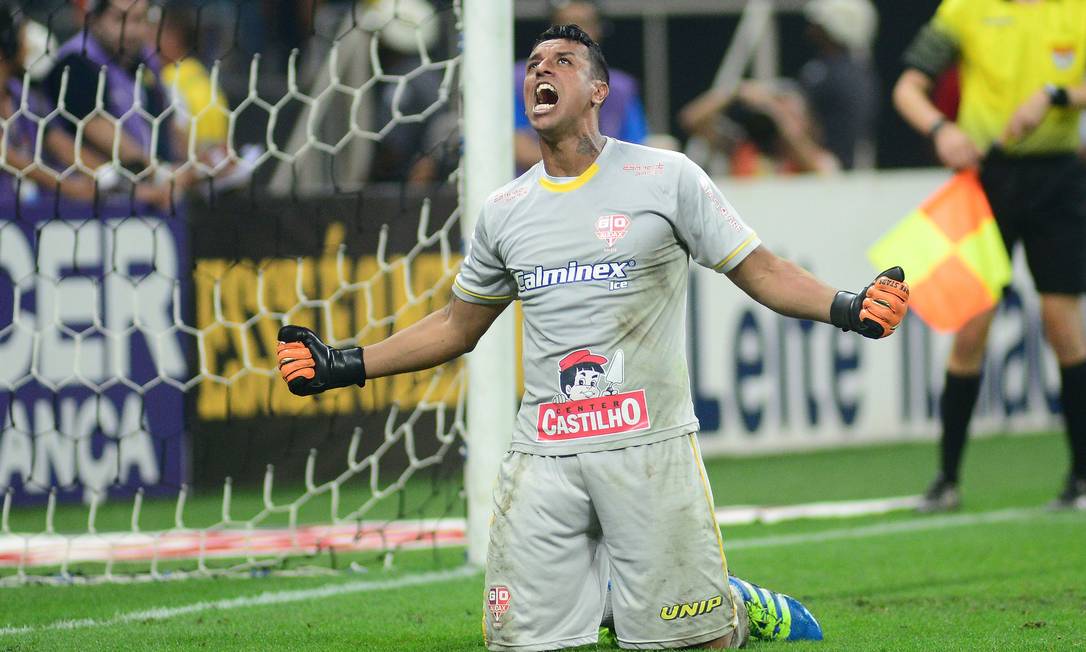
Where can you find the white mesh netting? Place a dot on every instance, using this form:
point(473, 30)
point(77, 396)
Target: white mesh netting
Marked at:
point(155, 235)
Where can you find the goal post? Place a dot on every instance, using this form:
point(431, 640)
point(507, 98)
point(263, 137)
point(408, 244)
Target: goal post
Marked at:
point(144, 430)
point(486, 89)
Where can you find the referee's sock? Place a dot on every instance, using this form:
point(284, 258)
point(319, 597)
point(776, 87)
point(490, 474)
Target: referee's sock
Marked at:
point(956, 408)
point(1073, 400)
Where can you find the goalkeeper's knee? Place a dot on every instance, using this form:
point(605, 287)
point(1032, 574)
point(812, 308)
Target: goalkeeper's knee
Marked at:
point(309, 366)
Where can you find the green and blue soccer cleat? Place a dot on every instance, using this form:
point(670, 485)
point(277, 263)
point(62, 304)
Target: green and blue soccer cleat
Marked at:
point(776, 616)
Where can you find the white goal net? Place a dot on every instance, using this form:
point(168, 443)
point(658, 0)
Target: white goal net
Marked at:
point(231, 171)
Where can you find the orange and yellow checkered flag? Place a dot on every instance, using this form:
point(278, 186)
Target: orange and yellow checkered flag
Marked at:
point(952, 251)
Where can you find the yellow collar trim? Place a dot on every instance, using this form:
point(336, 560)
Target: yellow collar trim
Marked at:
point(572, 184)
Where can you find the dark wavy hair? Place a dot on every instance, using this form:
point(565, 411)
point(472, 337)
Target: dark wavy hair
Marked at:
point(575, 33)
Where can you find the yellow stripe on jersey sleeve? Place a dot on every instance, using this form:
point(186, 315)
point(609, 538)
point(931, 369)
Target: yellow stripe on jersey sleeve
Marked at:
point(485, 297)
point(735, 252)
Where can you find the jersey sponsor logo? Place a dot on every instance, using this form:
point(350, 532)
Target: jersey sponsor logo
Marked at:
point(594, 417)
point(585, 409)
point(508, 195)
point(497, 602)
point(574, 272)
point(639, 170)
point(690, 609)
point(612, 228)
point(1063, 55)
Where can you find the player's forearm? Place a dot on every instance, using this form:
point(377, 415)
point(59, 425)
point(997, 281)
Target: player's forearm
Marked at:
point(783, 286)
point(913, 103)
point(432, 341)
point(436, 339)
point(795, 292)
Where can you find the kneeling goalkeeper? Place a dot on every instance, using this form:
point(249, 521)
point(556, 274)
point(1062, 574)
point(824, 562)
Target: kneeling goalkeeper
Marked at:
point(602, 497)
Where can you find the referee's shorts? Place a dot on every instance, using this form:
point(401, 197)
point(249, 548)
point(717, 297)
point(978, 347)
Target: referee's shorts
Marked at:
point(1040, 201)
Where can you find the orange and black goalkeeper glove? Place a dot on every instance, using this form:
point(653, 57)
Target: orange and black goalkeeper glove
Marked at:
point(310, 366)
point(877, 310)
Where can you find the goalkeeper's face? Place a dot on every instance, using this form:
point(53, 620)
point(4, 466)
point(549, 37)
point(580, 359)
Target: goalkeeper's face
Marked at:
point(560, 92)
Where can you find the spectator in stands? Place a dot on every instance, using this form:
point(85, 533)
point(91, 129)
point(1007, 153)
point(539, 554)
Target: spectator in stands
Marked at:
point(839, 83)
point(763, 128)
point(181, 68)
point(197, 98)
point(115, 39)
point(412, 151)
point(622, 116)
point(20, 131)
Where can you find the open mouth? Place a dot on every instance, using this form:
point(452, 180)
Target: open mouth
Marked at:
point(546, 98)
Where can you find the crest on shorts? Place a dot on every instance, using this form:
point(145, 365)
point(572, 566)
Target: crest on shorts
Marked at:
point(1063, 56)
point(612, 228)
point(497, 601)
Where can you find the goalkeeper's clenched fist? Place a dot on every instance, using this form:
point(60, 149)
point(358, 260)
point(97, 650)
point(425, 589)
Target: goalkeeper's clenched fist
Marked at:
point(310, 366)
point(877, 310)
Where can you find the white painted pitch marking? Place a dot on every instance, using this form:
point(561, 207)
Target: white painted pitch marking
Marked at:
point(282, 597)
point(53, 549)
point(261, 599)
point(746, 514)
point(882, 529)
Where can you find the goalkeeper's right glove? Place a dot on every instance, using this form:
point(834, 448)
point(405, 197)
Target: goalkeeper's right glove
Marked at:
point(310, 366)
point(877, 310)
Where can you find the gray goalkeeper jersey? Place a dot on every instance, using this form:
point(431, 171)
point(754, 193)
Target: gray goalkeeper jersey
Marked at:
point(600, 264)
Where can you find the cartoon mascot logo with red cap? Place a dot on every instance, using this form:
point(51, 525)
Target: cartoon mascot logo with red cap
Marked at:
point(580, 373)
point(589, 403)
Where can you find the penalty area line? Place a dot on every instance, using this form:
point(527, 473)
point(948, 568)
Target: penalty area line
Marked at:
point(258, 600)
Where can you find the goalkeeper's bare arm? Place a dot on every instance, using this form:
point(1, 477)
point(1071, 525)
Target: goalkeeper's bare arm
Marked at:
point(439, 337)
point(786, 288)
point(309, 366)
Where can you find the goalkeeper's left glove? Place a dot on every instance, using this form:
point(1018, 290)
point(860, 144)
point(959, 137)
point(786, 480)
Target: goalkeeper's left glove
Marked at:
point(877, 310)
point(310, 366)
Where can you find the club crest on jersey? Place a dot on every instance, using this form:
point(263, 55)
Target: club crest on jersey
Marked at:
point(616, 275)
point(611, 229)
point(497, 602)
point(1063, 56)
point(589, 403)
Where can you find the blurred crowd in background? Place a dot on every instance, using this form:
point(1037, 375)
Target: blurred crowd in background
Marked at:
point(206, 95)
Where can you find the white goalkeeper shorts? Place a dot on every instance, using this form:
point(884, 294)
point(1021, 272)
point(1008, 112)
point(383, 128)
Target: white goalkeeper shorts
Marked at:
point(640, 517)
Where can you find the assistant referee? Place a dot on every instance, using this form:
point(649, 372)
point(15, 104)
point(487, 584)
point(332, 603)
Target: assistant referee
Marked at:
point(1022, 71)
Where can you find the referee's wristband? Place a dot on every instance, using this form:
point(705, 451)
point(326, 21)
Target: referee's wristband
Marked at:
point(934, 129)
point(1057, 95)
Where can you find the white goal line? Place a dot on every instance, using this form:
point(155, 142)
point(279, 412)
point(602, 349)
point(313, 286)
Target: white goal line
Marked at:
point(918, 524)
point(54, 549)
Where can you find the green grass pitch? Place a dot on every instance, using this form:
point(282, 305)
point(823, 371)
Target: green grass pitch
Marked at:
point(1004, 574)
